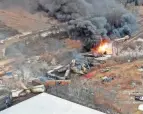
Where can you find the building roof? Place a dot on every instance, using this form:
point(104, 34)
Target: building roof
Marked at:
point(48, 104)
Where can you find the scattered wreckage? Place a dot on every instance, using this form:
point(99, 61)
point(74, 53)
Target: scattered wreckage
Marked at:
point(59, 75)
point(81, 64)
point(25, 91)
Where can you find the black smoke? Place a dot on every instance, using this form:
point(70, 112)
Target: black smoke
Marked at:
point(89, 19)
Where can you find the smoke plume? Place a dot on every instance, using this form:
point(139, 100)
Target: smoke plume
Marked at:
point(87, 19)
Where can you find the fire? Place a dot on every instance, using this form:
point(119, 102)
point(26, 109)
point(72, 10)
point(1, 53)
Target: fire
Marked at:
point(104, 47)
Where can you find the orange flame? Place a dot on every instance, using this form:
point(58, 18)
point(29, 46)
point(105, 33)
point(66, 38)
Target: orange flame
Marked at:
point(105, 46)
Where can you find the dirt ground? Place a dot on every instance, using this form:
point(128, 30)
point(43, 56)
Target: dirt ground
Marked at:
point(118, 93)
point(23, 21)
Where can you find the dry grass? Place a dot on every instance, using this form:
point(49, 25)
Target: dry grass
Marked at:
point(125, 75)
point(22, 21)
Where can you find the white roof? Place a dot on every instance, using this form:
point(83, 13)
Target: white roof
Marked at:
point(48, 104)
